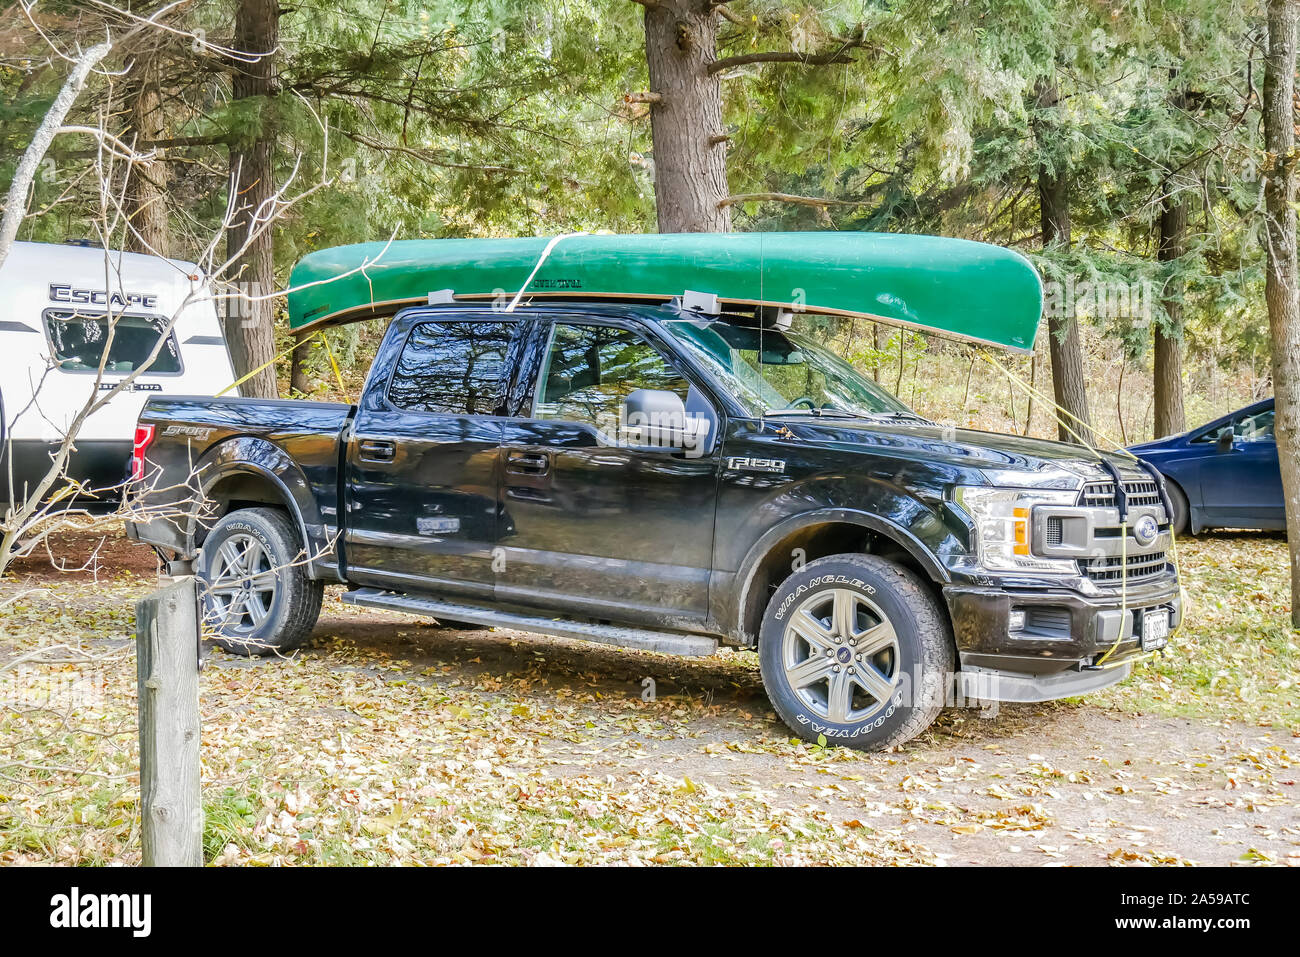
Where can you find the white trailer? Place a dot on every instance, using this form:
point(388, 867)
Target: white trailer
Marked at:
point(58, 305)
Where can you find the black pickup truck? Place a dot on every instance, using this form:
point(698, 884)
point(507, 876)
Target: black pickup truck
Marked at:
point(660, 478)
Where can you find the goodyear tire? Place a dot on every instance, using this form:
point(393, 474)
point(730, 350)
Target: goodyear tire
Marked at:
point(856, 650)
point(257, 598)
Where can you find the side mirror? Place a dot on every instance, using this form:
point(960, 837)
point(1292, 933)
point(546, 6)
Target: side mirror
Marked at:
point(1226, 438)
point(658, 419)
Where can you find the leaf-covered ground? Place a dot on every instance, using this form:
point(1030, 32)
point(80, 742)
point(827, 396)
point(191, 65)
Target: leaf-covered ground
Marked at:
point(392, 741)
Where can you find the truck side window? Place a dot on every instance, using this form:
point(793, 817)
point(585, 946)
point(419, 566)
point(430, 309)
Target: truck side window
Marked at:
point(453, 368)
point(590, 370)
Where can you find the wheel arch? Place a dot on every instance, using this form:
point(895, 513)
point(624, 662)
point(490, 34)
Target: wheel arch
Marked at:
point(816, 535)
point(247, 471)
point(244, 487)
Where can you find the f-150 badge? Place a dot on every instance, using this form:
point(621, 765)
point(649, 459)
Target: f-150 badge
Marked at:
point(747, 464)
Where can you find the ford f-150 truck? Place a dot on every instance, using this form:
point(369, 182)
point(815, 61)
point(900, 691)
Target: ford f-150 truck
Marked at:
point(662, 478)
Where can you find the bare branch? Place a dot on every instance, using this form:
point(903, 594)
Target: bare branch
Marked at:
point(787, 198)
point(427, 156)
point(83, 64)
point(728, 14)
point(780, 56)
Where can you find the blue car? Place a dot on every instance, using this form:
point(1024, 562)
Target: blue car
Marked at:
point(1224, 474)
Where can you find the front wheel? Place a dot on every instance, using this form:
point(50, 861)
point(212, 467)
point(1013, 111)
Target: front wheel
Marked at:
point(856, 651)
point(1178, 518)
point(257, 598)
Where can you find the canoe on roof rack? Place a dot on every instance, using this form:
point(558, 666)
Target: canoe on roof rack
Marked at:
point(952, 287)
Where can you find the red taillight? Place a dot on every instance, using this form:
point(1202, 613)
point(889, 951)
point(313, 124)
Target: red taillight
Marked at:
point(143, 437)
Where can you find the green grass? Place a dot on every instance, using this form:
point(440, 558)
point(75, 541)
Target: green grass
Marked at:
point(1236, 656)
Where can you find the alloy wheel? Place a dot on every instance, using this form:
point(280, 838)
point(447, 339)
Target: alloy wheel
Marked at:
point(241, 587)
point(840, 656)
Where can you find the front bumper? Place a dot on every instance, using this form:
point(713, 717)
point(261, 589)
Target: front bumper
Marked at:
point(1064, 633)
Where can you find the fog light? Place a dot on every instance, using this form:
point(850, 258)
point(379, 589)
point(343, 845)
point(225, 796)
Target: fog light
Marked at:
point(1016, 620)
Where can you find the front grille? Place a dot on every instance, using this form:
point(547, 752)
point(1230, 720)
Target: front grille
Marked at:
point(1102, 494)
point(1109, 570)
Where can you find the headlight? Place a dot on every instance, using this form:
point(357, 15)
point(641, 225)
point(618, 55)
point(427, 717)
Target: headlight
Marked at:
point(1003, 520)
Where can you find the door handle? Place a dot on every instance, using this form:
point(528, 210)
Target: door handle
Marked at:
point(377, 450)
point(528, 463)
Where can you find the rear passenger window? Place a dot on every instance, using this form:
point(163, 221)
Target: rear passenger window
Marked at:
point(454, 368)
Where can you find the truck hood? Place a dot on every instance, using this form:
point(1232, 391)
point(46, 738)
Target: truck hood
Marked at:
point(1011, 460)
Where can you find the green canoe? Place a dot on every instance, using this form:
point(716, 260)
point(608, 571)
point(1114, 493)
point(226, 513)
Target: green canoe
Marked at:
point(953, 287)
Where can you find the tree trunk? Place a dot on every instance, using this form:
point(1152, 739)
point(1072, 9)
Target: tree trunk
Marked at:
point(299, 378)
point(250, 328)
point(875, 347)
point(146, 188)
point(1068, 382)
point(1280, 282)
point(1033, 384)
point(1168, 365)
point(690, 161)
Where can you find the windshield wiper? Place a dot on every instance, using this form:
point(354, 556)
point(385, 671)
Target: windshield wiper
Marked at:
point(907, 414)
point(851, 414)
point(820, 413)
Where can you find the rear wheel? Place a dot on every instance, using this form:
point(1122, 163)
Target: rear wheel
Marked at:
point(257, 598)
point(855, 650)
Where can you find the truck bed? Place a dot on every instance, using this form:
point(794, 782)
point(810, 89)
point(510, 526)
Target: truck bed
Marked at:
point(294, 443)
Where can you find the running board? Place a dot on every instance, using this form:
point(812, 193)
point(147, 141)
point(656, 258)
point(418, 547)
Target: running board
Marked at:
point(666, 643)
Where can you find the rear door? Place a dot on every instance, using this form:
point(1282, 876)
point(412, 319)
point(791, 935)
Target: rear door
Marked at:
point(422, 471)
point(591, 523)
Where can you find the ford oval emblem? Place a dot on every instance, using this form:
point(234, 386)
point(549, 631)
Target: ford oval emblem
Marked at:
point(1145, 530)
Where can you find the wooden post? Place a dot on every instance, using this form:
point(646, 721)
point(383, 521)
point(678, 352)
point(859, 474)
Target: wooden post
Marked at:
point(167, 672)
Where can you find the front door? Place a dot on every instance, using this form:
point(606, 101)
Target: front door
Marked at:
point(591, 521)
point(1242, 488)
point(422, 462)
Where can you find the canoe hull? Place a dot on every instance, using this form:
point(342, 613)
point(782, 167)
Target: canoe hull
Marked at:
point(957, 288)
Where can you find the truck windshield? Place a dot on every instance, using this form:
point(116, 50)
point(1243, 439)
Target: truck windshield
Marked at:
point(772, 372)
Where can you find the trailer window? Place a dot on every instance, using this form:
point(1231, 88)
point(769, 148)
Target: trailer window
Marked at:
point(77, 341)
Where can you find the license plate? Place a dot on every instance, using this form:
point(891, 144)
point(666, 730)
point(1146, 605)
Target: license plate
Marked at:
point(1155, 630)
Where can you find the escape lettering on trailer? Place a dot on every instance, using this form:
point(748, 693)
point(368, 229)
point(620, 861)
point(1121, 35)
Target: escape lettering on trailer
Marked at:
point(62, 292)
